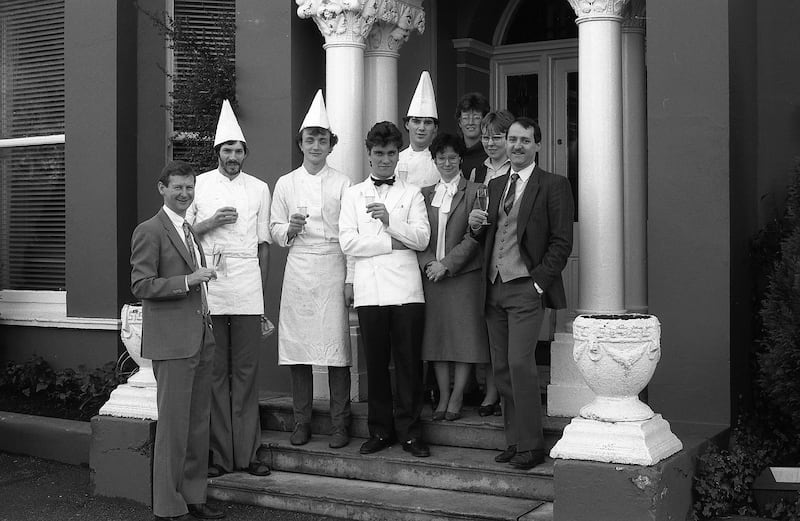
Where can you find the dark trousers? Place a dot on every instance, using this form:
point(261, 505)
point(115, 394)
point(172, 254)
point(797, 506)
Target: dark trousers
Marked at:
point(235, 420)
point(393, 332)
point(180, 459)
point(514, 314)
point(303, 394)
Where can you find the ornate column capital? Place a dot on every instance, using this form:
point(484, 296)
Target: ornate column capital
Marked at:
point(587, 10)
point(342, 22)
point(396, 20)
point(634, 16)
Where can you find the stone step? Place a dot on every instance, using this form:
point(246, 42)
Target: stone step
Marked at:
point(471, 430)
point(369, 501)
point(448, 468)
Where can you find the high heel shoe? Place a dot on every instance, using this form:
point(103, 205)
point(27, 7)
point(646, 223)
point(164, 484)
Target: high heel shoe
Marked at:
point(488, 410)
point(438, 416)
point(452, 416)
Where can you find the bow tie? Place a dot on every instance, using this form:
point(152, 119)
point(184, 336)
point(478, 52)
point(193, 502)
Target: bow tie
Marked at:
point(379, 182)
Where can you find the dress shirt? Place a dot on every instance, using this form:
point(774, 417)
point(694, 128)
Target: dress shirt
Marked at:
point(177, 221)
point(492, 172)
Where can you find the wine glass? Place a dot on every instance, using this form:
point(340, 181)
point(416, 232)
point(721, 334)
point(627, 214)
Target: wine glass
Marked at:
point(483, 200)
point(302, 209)
point(369, 199)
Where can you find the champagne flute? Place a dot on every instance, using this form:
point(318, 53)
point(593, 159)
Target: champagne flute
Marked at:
point(483, 200)
point(302, 209)
point(368, 200)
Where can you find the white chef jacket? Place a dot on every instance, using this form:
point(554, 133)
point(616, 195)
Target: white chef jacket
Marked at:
point(417, 168)
point(239, 290)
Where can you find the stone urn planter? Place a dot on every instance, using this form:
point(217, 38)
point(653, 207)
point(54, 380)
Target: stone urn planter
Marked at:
point(617, 355)
point(137, 397)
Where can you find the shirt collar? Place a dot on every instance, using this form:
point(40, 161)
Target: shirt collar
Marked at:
point(525, 173)
point(488, 163)
point(176, 219)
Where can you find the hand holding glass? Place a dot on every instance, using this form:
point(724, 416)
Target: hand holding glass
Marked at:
point(302, 209)
point(368, 200)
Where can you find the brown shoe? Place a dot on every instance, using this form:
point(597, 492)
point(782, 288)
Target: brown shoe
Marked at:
point(339, 439)
point(301, 434)
point(506, 455)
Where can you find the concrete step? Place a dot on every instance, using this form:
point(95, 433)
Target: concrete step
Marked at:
point(471, 430)
point(370, 501)
point(448, 468)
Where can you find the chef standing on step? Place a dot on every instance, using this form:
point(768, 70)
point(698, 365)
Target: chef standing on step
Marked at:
point(313, 327)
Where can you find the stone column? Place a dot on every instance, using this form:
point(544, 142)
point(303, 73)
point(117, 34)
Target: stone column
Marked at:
point(395, 22)
point(345, 25)
point(634, 156)
point(602, 285)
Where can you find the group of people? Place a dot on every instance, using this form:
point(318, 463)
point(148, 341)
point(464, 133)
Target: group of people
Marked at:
point(449, 251)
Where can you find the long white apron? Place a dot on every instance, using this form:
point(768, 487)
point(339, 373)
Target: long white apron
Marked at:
point(313, 326)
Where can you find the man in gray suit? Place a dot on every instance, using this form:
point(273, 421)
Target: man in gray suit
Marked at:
point(170, 277)
point(527, 236)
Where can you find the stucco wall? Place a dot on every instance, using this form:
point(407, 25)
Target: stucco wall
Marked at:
point(689, 206)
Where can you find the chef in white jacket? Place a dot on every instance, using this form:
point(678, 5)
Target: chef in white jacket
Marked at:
point(383, 223)
point(230, 214)
point(415, 164)
point(313, 325)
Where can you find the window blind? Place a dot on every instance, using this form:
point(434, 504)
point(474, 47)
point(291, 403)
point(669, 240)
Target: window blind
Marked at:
point(32, 188)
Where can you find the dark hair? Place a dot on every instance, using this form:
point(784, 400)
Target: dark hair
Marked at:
point(230, 142)
point(472, 101)
point(497, 121)
point(383, 134)
point(527, 123)
point(408, 118)
point(316, 131)
point(444, 141)
point(177, 169)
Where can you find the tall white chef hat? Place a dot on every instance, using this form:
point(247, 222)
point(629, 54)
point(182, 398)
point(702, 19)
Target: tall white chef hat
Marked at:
point(423, 104)
point(228, 128)
point(316, 116)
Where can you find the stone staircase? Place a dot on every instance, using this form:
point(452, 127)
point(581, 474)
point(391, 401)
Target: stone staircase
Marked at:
point(459, 481)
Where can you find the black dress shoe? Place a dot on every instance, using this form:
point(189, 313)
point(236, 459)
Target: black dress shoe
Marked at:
point(374, 444)
point(184, 517)
point(417, 448)
point(203, 511)
point(487, 410)
point(506, 455)
point(339, 438)
point(215, 471)
point(257, 468)
point(527, 459)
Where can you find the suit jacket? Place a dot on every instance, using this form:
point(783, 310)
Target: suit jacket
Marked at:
point(172, 318)
point(544, 230)
point(383, 276)
point(461, 249)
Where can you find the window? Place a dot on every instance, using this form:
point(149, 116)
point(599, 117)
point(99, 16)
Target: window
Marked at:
point(32, 171)
point(202, 72)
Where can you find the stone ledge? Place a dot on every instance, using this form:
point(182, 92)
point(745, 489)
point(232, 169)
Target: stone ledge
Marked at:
point(66, 441)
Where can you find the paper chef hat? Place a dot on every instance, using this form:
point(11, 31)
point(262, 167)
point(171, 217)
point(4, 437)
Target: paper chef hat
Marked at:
point(228, 128)
point(316, 116)
point(423, 104)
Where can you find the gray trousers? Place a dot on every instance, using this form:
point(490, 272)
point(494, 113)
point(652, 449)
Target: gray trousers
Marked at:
point(303, 393)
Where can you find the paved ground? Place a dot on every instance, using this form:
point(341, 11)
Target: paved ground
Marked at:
point(32, 489)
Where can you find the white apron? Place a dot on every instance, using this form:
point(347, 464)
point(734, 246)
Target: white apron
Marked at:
point(313, 327)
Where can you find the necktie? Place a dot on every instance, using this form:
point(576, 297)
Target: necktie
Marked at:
point(508, 203)
point(187, 233)
point(379, 182)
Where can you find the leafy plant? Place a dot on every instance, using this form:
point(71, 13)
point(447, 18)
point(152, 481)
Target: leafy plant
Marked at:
point(204, 76)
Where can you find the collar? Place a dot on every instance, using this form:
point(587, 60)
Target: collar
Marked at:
point(319, 174)
point(525, 173)
point(488, 163)
point(174, 218)
point(452, 184)
point(222, 177)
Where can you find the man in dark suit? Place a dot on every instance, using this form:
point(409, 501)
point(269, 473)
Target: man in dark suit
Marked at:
point(170, 276)
point(527, 236)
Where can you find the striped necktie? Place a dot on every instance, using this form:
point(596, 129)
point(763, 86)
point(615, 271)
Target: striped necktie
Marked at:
point(189, 236)
point(508, 203)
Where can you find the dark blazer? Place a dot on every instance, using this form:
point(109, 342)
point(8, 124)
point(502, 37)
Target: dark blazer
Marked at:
point(462, 250)
point(172, 318)
point(544, 230)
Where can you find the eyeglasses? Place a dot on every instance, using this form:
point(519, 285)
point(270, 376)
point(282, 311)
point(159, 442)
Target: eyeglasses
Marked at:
point(466, 118)
point(496, 138)
point(453, 160)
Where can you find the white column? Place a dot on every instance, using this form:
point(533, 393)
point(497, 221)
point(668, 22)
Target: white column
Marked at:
point(634, 137)
point(600, 199)
point(345, 25)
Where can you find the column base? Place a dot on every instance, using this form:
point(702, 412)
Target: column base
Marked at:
point(633, 443)
point(127, 401)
